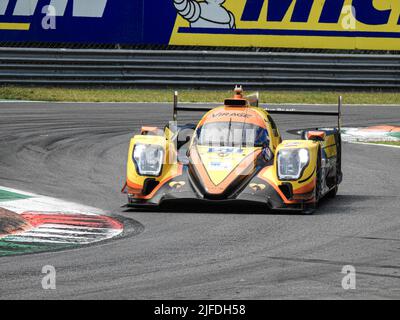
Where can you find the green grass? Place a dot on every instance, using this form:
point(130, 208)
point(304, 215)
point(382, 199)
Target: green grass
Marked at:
point(136, 95)
point(10, 196)
point(389, 143)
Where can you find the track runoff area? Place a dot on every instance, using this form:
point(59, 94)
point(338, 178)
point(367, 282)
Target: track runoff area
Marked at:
point(39, 224)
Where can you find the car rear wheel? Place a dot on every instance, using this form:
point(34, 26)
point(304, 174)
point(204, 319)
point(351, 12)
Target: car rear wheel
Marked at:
point(311, 207)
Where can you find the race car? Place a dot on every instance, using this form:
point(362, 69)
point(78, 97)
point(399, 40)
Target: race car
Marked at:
point(234, 154)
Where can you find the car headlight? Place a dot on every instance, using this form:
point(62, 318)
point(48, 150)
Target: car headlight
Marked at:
point(148, 159)
point(291, 163)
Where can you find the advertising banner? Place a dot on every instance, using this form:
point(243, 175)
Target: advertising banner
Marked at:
point(327, 24)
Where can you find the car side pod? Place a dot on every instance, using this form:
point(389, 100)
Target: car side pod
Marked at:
point(309, 207)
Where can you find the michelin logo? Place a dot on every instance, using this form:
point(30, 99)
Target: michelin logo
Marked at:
point(206, 14)
point(81, 8)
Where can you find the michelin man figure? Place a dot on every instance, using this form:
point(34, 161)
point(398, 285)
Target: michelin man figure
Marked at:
point(206, 13)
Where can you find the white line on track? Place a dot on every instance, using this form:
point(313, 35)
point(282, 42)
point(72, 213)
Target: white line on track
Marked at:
point(375, 144)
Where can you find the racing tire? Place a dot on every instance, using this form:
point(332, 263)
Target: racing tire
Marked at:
point(332, 194)
point(309, 209)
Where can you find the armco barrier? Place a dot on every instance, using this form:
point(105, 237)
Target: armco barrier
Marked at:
point(198, 69)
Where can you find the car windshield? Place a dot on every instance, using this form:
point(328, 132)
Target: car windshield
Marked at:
point(231, 134)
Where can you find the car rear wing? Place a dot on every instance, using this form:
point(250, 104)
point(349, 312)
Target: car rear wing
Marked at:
point(187, 109)
point(254, 101)
point(337, 113)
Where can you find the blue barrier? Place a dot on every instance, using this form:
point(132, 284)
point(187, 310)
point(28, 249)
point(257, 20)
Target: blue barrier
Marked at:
point(87, 21)
point(325, 24)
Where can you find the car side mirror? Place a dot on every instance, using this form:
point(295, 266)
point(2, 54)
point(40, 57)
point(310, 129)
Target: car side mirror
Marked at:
point(266, 152)
point(316, 135)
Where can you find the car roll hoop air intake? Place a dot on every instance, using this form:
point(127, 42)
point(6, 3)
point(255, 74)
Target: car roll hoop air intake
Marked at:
point(238, 101)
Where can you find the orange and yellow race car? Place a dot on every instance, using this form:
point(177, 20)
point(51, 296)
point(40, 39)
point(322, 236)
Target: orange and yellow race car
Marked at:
point(234, 154)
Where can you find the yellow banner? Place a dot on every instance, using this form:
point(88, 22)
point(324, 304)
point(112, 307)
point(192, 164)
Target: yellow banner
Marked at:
point(325, 24)
point(14, 26)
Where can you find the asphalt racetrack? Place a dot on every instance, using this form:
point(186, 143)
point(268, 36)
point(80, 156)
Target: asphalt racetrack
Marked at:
point(77, 152)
